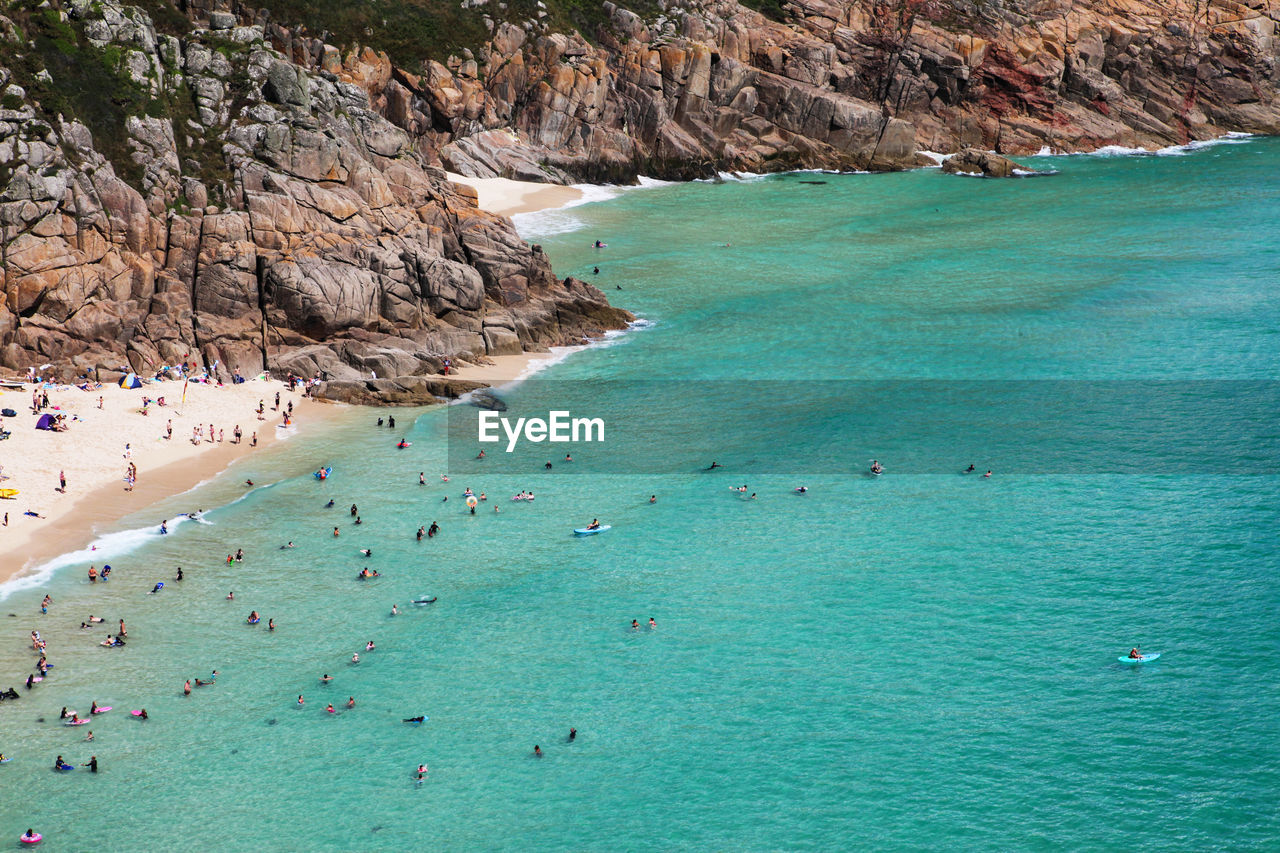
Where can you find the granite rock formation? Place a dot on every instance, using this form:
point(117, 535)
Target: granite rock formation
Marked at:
point(256, 215)
point(711, 85)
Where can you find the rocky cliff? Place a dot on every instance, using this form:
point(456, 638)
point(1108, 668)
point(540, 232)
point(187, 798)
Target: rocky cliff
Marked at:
point(711, 84)
point(218, 181)
point(229, 206)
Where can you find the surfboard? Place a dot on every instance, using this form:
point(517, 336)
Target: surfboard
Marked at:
point(1143, 659)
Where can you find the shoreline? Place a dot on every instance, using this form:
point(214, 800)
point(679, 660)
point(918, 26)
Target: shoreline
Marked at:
point(90, 454)
point(506, 197)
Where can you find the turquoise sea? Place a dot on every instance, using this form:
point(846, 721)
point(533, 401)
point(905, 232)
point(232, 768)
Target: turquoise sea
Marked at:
point(924, 660)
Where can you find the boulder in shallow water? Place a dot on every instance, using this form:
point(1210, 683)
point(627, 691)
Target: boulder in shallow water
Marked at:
point(971, 161)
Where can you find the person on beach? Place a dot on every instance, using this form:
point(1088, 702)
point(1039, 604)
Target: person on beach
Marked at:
point(236, 434)
point(168, 430)
point(93, 574)
point(62, 482)
point(254, 442)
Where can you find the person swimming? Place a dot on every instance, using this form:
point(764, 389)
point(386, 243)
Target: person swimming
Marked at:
point(970, 469)
point(329, 505)
point(714, 465)
point(368, 552)
point(413, 719)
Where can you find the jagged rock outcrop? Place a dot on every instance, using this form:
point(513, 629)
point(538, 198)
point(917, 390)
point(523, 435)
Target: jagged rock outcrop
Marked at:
point(712, 85)
point(970, 161)
point(255, 215)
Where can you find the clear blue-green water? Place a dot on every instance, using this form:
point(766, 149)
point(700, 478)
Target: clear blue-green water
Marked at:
point(923, 660)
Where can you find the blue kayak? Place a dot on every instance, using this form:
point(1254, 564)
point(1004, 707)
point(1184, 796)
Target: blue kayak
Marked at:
point(1143, 659)
point(591, 531)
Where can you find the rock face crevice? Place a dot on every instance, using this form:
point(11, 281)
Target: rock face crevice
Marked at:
point(332, 246)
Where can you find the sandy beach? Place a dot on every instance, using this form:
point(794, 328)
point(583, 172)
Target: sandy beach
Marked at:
point(92, 452)
point(507, 197)
point(99, 443)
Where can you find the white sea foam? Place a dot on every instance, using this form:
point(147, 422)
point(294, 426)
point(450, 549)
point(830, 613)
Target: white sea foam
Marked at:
point(936, 157)
point(104, 549)
point(1233, 138)
point(557, 355)
point(561, 220)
